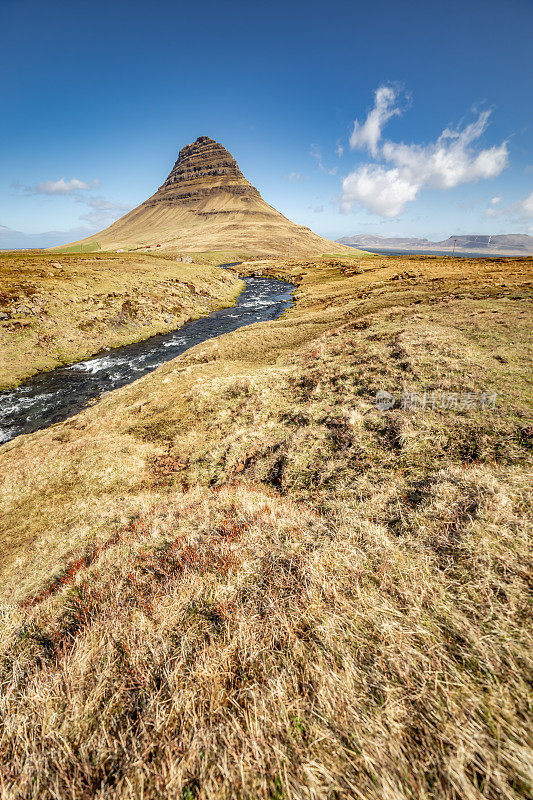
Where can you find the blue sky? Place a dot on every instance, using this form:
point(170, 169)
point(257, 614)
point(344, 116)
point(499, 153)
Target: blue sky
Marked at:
point(395, 118)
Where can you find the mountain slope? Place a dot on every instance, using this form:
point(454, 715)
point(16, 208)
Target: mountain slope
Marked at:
point(206, 203)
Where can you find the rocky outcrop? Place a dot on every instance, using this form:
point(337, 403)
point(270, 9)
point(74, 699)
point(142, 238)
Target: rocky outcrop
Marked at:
point(203, 168)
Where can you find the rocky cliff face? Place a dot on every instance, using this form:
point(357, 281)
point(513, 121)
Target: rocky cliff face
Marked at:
point(203, 168)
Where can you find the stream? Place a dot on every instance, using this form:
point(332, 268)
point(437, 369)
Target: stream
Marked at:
point(56, 395)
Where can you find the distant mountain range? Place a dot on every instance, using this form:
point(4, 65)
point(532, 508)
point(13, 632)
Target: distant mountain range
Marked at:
point(12, 240)
point(504, 244)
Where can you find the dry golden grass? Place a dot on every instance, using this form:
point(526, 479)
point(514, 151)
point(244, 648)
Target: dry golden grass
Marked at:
point(57, 309)
point(219, 221)
point(237, 577)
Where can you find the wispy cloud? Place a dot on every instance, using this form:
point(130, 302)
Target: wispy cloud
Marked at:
point(368, 133)
point(525, 206)
point(385, 188)
point(60, 187)
point(293, 176)
point(101, 213)
point(105, 205)
point(315, 153)
point(521, 210)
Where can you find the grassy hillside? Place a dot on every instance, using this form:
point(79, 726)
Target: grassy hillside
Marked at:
point(238, 577)
point(57, 309)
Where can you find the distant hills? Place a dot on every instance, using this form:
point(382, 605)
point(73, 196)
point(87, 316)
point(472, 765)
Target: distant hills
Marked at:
point(506, 244)
point(11, 239)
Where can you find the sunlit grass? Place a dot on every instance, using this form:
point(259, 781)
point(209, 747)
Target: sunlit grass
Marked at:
point(237, 577)
point(57, 309)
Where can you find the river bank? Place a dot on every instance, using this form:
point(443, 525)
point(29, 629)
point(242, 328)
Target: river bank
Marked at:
point(241, 576)
point(60, 393)
point(56, 309)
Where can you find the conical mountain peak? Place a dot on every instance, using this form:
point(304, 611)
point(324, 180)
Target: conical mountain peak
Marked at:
point(206, 203)
point(203, 168)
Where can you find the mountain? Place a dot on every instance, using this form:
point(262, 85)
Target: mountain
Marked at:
point(13, 240)
point(503, 244)
point(368, 240)
point(206, 203)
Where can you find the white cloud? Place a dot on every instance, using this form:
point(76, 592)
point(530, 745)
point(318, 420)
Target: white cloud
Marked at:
point(449, 161)
point(381, 191)
point(495, 201)
point(368, 133)
point(339, 150)
point(62, 186)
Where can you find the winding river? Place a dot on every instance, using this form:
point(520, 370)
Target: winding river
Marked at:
point(53, 396)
